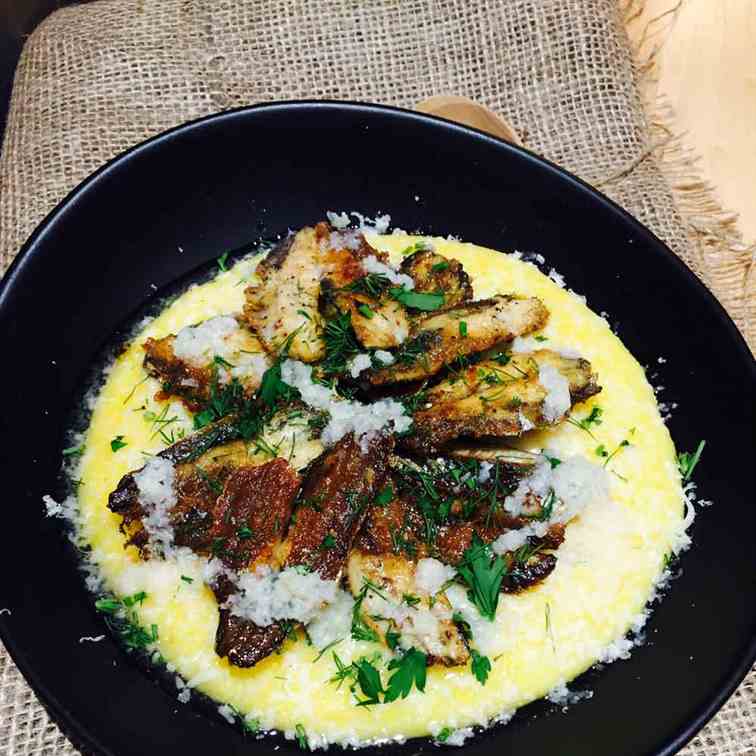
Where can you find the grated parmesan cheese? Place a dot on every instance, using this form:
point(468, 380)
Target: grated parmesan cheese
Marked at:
point(337, 220)
point(333, 622)
point(557, 401)
point(371, 264)
point(525, 344)
point(65, 509)
point(562, 696)
point(358, 363)
point(346, 416)
point(265, 596)
point(430, 575)
point(227, 713)
point(384, 357)
point(155, 483)
point(198, 344)
point(557, 278)
point(575, 483)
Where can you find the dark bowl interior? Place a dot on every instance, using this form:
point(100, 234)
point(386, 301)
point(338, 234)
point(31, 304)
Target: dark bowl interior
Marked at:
point(216, 184)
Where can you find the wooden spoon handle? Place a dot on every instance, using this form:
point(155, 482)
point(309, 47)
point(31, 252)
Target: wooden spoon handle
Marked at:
point(469, 113)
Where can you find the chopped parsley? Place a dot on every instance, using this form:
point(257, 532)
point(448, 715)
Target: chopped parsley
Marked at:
point(187, 579)
point(392, 639)
point(244, 533)
point(369, 680)
point(410, 599)
point(481, 666)
point(385, 495)
point(301, 735)
point(221, 261)
point(117, 443)
point(439, 267)
point(444, 735)
point(687, 461)
point(417, 300)
point(418, 246)
point(71, 450)
point(463, 329)
point(329, 541)
point(365, 311)
point(482, 572)
point(408, 670)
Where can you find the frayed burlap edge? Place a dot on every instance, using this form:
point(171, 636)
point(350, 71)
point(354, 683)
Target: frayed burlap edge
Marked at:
point(727, 266)
point(727, 263)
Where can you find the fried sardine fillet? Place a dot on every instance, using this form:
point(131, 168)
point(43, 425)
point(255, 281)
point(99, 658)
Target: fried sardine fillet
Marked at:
point(283, 307)
point(379, 322)
point(332, 505)
point(383, 565)
point(531, 390)
point(201, 358)
point(441, 338)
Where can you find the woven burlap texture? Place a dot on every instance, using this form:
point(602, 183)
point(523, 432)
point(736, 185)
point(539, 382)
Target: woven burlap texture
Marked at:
point(98, 78)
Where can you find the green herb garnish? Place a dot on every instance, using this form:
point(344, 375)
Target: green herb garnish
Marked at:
point(365, 311)
point(463, 329)
point(408, 670)
point(481, 666)
point(244, 532)
point(369, 680)
point(594, 418)
point(385, 495)
point(687, 461)
point(117, 443)
point(301, 735)
point(482, 572)
point(392, 639)
point(221, 261)
point(417, 300)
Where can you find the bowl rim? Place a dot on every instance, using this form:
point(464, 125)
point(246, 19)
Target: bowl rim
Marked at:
point(69, 724)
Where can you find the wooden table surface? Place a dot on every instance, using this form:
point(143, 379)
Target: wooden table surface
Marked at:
point(707, 70)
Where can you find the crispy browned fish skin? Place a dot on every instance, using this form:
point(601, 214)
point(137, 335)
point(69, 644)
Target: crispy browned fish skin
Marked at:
point(290, 286)
point(340, 484)
point(259, 499)
point(202, 462)
point(251, 514)
point(441, 340)
point(470, 405)
point(432, 272)
point(173, 373)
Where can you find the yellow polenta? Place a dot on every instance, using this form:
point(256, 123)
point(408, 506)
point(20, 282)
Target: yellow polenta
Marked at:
point(611, 558)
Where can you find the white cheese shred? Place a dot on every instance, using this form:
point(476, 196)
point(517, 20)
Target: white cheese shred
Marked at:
point(346, 416)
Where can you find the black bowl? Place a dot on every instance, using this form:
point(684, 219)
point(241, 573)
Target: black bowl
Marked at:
point(218, 183)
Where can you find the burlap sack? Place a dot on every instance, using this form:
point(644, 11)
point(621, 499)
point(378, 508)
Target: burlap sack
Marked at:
point(95, 79)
